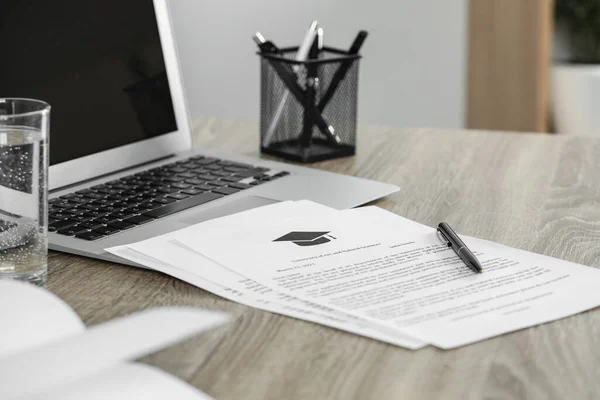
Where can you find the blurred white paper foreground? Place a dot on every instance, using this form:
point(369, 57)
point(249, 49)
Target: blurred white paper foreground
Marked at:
point(46, 352)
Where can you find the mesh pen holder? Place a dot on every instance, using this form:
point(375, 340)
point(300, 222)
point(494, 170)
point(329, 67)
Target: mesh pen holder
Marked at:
point(308, 108)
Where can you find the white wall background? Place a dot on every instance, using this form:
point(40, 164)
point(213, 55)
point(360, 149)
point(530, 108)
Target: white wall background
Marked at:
point(412, 74)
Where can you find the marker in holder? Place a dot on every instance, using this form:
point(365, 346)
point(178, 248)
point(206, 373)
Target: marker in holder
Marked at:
point(308, 108)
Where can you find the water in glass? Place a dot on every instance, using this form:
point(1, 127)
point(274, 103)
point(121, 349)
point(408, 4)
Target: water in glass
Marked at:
point(23, 210)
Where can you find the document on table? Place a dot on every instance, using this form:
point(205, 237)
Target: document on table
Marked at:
point(164, 254)
point(377, 266)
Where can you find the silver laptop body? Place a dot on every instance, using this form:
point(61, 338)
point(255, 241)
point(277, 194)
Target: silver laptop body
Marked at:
point(148, 69)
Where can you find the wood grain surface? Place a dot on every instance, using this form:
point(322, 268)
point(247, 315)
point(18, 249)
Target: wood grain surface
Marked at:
point(535, 192)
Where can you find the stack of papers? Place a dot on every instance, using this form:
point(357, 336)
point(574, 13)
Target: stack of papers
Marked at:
point(369, 272)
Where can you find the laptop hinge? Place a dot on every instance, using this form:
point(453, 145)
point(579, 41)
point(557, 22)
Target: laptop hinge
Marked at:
point(58, 189)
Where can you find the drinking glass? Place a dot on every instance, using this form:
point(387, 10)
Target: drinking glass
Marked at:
point(24, 129)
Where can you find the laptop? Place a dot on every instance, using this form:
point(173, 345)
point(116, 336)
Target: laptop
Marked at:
point(122, 165)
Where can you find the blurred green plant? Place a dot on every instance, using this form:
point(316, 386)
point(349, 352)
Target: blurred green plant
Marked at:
point(581, 20)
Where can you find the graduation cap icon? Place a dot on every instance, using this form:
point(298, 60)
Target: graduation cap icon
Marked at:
point(306, 238)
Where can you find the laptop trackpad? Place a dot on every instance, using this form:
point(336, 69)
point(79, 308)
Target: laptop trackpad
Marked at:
point(233, 207)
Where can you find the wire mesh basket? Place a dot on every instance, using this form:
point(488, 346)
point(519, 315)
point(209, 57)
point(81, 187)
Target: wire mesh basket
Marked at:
point(308, 108)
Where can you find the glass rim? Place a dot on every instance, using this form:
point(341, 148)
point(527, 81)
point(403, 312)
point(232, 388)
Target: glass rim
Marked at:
point(43, 107)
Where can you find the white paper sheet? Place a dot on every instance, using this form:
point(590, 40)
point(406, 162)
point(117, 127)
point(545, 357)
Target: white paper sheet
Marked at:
point(66, 360)
point(126, 381)
point(164, 255)
point(405, 278)
point(31, 316)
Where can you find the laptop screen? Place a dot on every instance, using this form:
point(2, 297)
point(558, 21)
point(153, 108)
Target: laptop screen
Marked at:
point(98, 63)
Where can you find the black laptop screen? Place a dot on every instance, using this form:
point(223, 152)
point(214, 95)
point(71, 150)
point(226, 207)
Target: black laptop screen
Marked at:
point(98, 63)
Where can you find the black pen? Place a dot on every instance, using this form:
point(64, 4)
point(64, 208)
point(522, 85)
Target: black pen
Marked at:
point(343, 69)
point(264, 45)
point(459, 247)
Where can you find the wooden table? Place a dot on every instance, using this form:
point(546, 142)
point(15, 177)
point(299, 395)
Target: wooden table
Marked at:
point(535, 192)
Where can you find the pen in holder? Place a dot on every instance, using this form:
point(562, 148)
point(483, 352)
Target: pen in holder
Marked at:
point(308, 108)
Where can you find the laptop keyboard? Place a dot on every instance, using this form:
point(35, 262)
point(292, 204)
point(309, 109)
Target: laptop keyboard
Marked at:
point(125, 203)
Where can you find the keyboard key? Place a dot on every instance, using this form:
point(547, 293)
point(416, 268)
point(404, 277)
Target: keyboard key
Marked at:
point(239, 165)
point(91, 207)
point(174, 179)
point(111, 208)
point(178, 196)
point(140, 199)
point(181, 185)
point(165, 200)
point(201, 171)
point(84, 191)
point(120, 215)
point(214, 167)
point(232, 178)
point(156, 184)
point(61, 215)
point(123, 186)
point(190, 165)
point(183, 205)
point(80, 218)
point(71, 231)
point(249, 173)
point(240, 186)
point(92, 224)
point(226, 190)
point(109, 191)
point(177, 170)
point(64, 204)
point(95, 196)
point(217, 183)
point(105, 220)
point(80, 200)
point(102, 202)
point(67, 223)
point(138, 219)
point(120, 225)
point(120, 205)
point(195, 181)
point(89, 236)
point(167, 190)
point(233, 169)
point(192, 191)
point(106, 230)
point(204, 187)
point(154, 205)
point(221, 173)
point(206, 161)
point(207, 177)
point(95, 213)
point(136, 210)
point(187, 175)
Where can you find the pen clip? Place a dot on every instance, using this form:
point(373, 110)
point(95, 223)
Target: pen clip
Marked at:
point(443, 237)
